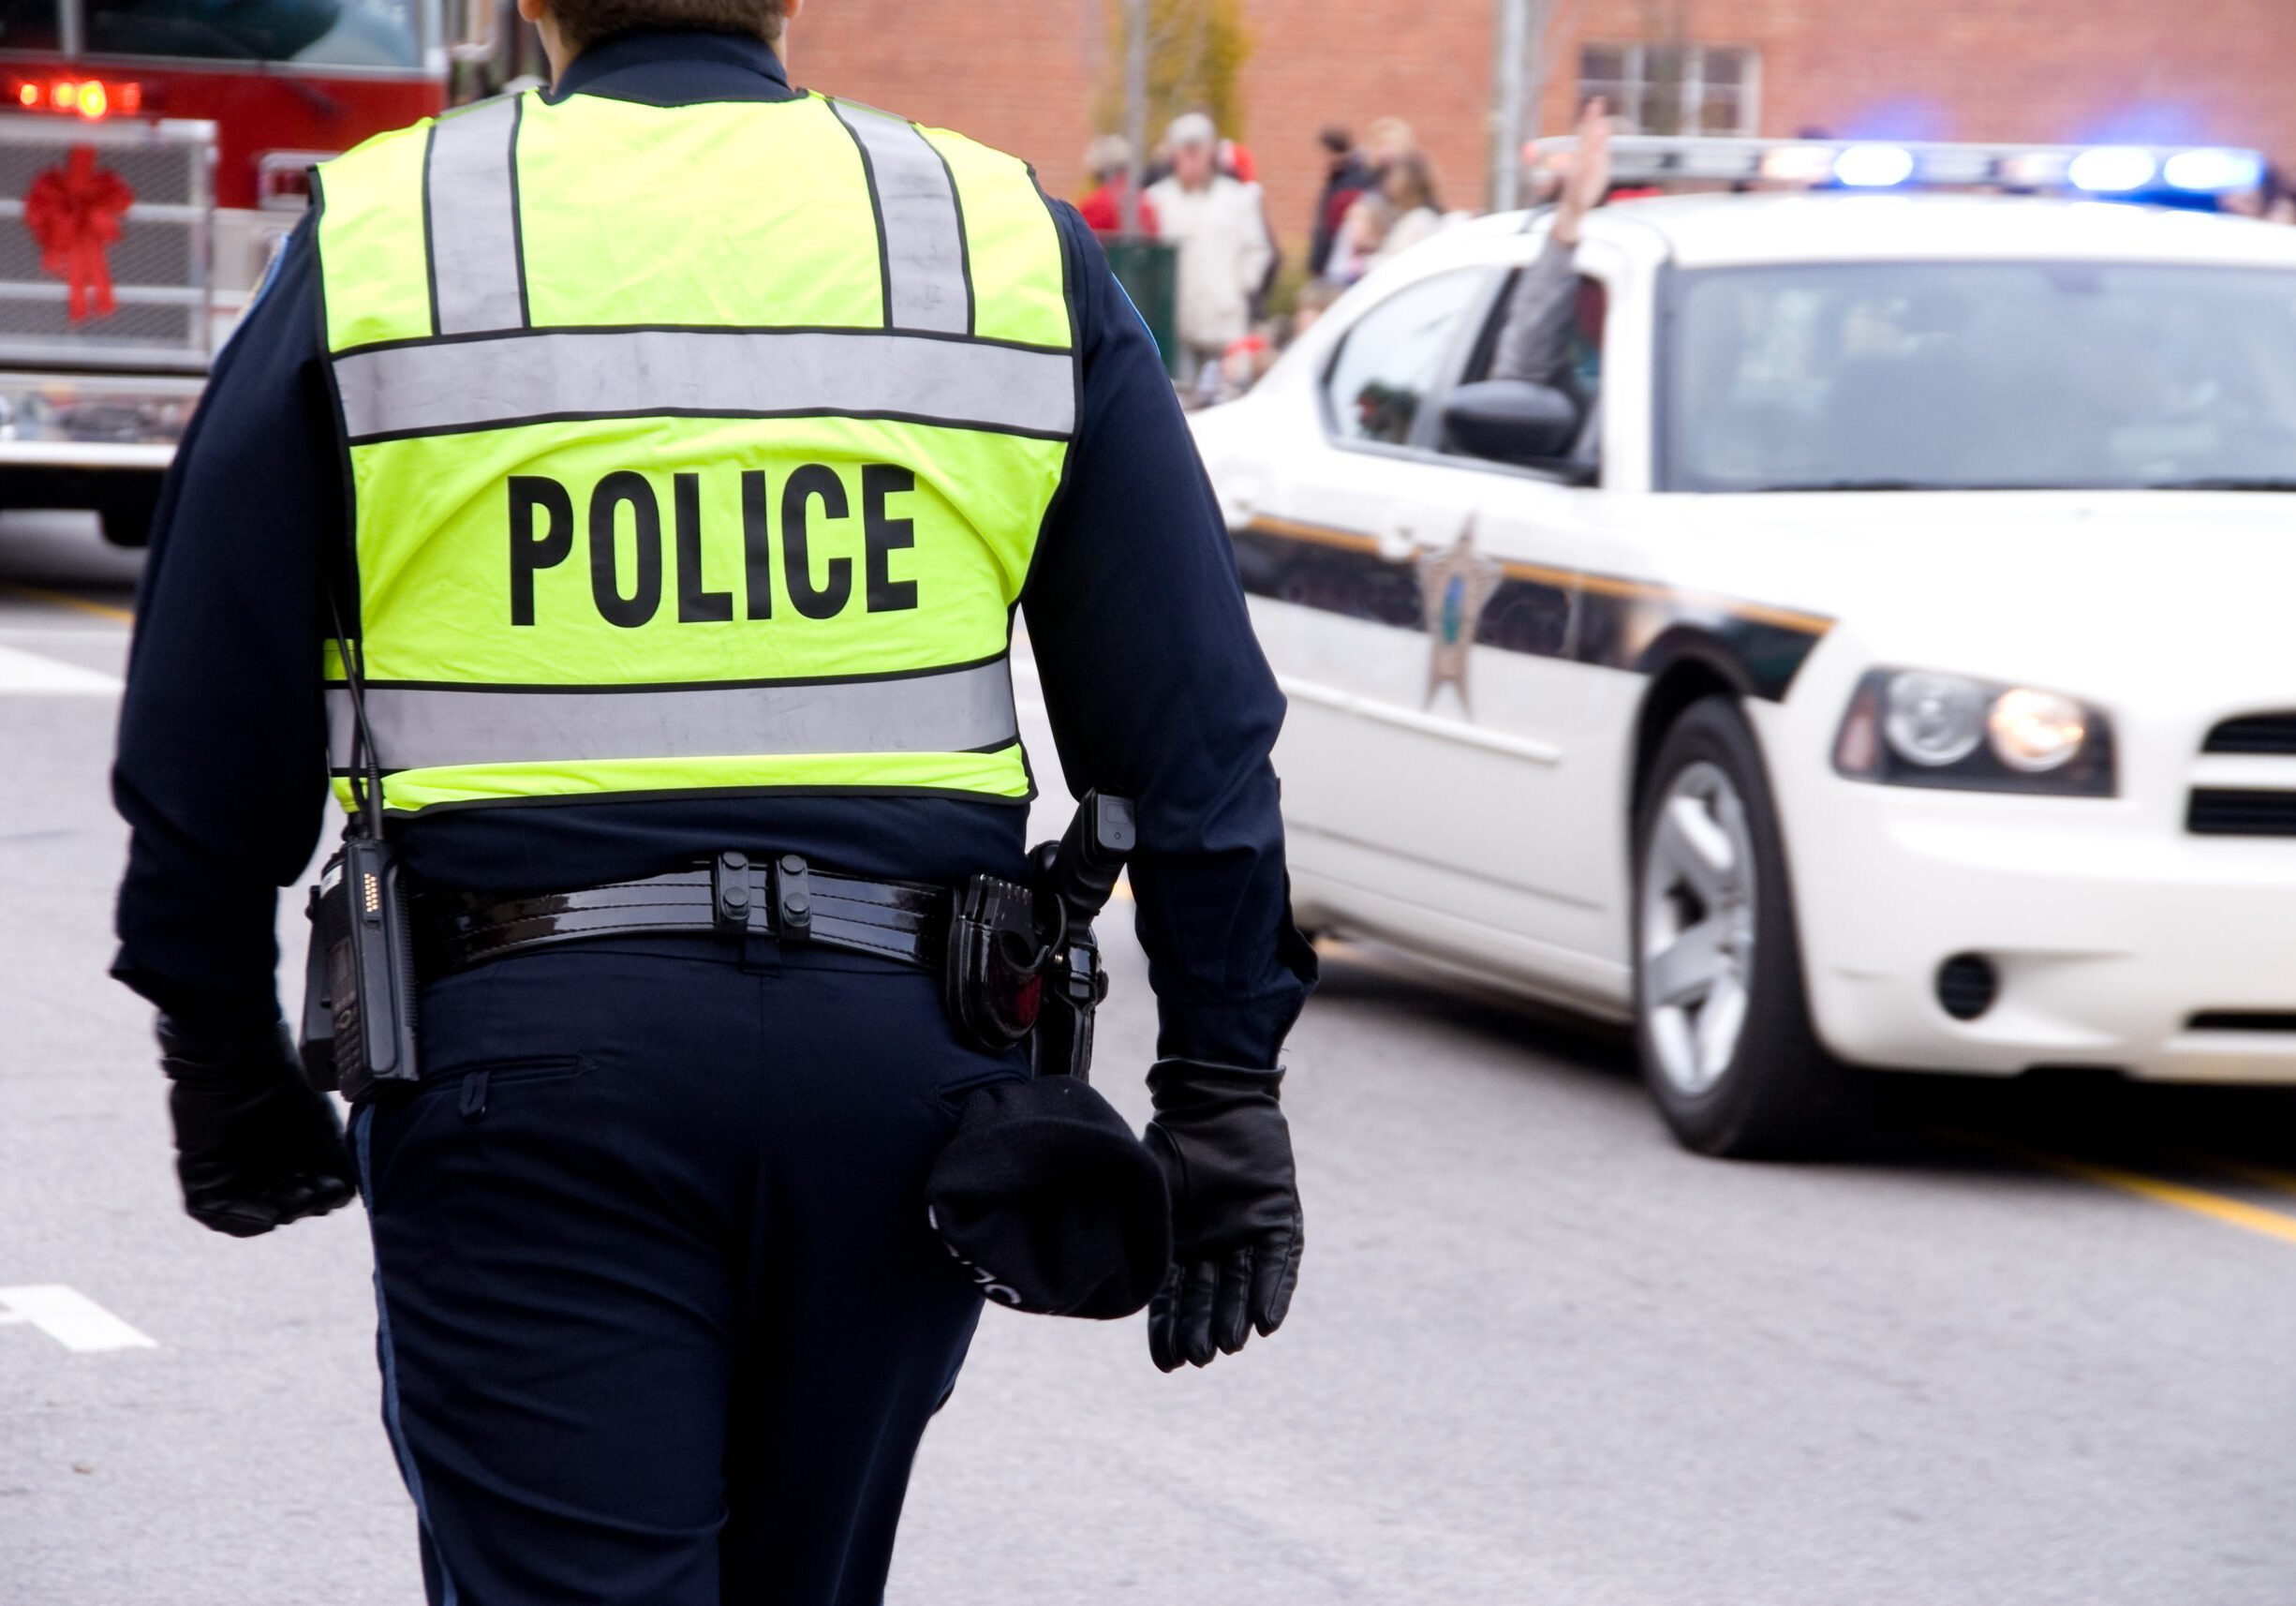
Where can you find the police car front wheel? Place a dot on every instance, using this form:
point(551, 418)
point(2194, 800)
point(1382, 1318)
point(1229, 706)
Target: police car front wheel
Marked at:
point(1721, 1022)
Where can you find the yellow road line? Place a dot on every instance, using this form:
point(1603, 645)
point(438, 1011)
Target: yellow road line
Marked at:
point(2233, 1213)
point(2200, 1201)
point(65, 600)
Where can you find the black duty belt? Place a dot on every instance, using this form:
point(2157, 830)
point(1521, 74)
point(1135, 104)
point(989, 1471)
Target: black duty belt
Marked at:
point(733, 896)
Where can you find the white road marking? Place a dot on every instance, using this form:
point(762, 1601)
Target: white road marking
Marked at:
point(29, 674)
point(70, 1317)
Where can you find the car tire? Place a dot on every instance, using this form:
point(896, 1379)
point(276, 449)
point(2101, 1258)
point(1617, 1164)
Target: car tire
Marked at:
point(1721, 1022)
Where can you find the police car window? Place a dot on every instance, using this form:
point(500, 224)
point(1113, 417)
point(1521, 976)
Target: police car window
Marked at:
point(1577, 360)
point(1586, 352)
point(1544, 330)
point(1913, 375)
point(330, 33)
point(1393, 357)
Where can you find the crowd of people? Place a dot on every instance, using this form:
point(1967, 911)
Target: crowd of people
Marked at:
point(1201, 193)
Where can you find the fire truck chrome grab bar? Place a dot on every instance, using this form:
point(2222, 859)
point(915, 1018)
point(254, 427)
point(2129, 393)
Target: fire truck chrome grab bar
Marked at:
point(51, 131)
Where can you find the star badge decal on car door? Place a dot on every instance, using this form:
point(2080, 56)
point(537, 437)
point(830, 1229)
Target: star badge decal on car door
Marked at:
point(1454, 586)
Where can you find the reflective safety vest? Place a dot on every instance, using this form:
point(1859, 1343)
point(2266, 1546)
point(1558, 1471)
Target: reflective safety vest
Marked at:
point(692, 447)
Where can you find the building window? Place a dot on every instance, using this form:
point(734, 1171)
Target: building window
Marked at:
point(1675, 89)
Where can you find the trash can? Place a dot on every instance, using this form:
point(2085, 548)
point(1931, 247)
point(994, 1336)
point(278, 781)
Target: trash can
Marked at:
point(1149, 272)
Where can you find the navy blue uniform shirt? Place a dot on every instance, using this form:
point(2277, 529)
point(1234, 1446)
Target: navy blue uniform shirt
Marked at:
point(1155, 685)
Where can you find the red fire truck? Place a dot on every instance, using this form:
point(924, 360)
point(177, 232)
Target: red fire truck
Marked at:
point(152, 154)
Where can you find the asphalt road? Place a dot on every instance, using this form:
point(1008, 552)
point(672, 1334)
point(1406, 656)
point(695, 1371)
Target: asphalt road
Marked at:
point(2034, 1347)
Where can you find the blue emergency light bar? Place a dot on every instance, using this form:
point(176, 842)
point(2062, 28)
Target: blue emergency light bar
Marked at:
point(1887, 164)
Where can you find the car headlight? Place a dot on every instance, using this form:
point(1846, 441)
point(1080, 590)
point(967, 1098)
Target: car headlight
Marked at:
point(2036, 732)
point(1933, 719)
point(1911, 727)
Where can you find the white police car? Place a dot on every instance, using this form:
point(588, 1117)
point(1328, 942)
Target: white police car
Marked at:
point(1900, 671)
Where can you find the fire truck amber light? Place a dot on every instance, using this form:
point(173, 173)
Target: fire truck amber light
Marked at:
point(2032, 731)
point(90, 99)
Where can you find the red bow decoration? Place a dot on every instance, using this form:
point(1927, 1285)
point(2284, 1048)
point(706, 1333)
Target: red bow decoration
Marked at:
point(74, 214)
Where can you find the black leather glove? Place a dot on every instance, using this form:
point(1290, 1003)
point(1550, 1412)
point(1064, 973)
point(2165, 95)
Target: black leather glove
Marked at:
point(1236, 1224)
point(256, 1146)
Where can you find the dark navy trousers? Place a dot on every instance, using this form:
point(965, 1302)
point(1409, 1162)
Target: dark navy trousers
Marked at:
point(661, 1320)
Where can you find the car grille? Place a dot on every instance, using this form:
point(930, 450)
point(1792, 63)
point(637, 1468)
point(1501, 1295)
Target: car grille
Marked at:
point(2240, 811)
point(158, 266)
point(2244, 788)
point(2254, 733)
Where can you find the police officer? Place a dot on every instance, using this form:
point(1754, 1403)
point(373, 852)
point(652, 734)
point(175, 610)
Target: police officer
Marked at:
point(660, 458)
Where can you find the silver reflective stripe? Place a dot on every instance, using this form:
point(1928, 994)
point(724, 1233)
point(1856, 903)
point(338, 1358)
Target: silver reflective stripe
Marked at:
point(924, 232)
point(528, 375)
point(471, 198)
point(432, 728)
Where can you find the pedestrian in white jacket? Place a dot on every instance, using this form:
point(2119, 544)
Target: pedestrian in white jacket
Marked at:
point(1222, 238)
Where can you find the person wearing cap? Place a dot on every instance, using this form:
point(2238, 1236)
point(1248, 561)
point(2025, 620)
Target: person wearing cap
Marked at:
point(1108, 160)
point(1224, 251)
point(626, 493)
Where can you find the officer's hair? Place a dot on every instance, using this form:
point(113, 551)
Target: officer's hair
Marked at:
point(583, 22)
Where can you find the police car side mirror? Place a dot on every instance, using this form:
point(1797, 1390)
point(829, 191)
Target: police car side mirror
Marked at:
point(1510, 421)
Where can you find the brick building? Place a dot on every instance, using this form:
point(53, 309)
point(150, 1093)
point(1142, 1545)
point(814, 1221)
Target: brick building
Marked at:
point(1023, 74)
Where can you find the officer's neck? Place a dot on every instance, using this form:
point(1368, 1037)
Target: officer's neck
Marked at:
point(560, 53)
point(556, 49)
point(675, 66)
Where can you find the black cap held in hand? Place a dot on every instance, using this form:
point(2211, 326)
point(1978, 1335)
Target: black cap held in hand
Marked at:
point(1051, 1202)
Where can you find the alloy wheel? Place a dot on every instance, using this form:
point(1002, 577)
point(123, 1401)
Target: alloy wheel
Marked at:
point(1697, 928)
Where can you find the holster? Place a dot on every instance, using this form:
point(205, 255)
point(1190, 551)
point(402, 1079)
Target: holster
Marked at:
point(1075, 878)
point(359, 983)
point(1076, 988)
point(993, 969)
point(1023, 958)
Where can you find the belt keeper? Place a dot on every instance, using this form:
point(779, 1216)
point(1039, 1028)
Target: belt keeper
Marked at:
point(793, 900)
point(730, 894)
